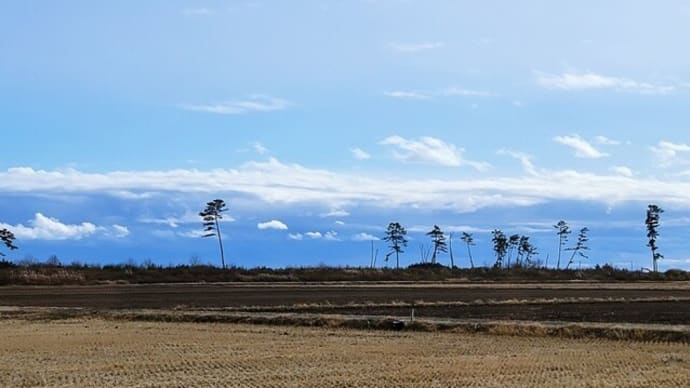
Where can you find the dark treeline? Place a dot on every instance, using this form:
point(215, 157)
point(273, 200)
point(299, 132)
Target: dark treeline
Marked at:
point(36, 273)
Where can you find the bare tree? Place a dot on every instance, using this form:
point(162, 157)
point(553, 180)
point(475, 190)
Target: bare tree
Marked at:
point(563, 231)
point(395, 235)
point(211, 216)
point(652, 221)
point(424, 253)
point(7, 238)
point(469, 240)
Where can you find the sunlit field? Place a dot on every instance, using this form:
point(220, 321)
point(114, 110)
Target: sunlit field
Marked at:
point(94, 352)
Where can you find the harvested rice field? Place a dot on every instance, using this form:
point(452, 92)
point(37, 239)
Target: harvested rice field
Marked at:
point(95, 352)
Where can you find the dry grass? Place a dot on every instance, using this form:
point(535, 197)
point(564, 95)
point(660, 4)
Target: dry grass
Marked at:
point(94, 352)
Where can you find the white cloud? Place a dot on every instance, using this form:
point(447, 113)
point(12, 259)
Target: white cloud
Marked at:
point(296, 236)
point(415, 47)
point(331, 235)
point(120, 231)
point(429, 150)
point(588, 81)
point(364, 237)
point(457, 91)
point(406, 94)
point(256, 103)
point(668, 152)
point(259, 148)
point(335, 213)
point(42, 227)
point(359, 154)
point(188, 217)
point(273, 224)
point(453, 91)
point(314, 235)
point(341, 223)
point(603, 140)
point(524, 159)
point(281, 184)
point(583, 149)
point(622, 170)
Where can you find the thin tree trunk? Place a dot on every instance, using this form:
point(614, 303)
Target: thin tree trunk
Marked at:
point(450, 249)
point(469, 253)
point(371, 259)
point(397, 259)
point(220, 243)
point(560, 244)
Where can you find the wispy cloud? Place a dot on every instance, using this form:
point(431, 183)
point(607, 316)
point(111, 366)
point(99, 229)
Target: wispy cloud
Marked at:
point(415, 47)
point(583, 149)
point(431, 150)
point(335, 213)
point(622, 170)
point(259, 148)
point(453, 91)
point(364, 237)
point(281, 184)
point(42, 227)
point(603, 140)
point(255, 103)
point(524, 159)
point(668, 153)
point(360, 154)
point(188, 217)
point(593, 81)
point(273, 224)
point(407, 94)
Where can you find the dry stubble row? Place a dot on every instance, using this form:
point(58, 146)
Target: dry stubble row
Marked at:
point(82, 353)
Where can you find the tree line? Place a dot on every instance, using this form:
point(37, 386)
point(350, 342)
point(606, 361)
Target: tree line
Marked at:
point(505, 248)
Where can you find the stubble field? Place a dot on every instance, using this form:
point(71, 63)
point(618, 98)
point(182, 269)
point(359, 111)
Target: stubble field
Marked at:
point(94, 352)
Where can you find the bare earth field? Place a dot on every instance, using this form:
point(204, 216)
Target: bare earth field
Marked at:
point(664, 303)
point(93, 352)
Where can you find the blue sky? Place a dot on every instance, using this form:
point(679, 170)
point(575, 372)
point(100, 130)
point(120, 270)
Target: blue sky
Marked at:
point(333, 118)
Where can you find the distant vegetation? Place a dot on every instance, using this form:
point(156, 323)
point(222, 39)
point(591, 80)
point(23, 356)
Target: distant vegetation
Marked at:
point(54, 273)
point(514, 261)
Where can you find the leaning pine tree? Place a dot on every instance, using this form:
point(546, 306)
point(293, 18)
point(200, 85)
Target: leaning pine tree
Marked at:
point(469, 240)
point(563, 231)
point(211, 217)
point(439, 241)
point(652, 221)
point(7, 238)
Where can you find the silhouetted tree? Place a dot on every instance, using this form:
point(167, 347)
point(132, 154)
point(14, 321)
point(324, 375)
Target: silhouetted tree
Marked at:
point(469, 240)
point(211, 221)
point(500, 246)
point(522, 248)
point(439, 241)
point(652, 221)
point(563, 232)
point(395, 235)
point(513, 243)
point(579, 246)
point(530, 250)
point(7, 238)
